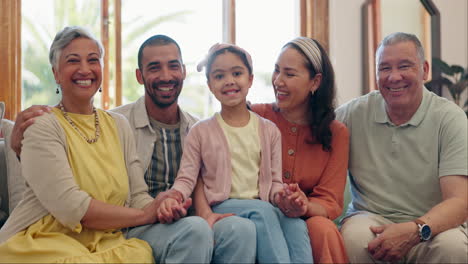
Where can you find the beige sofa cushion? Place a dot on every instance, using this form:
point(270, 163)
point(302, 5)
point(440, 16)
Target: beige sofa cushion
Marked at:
point(12, 184)
point(3, 173)
point(3, 184)
point(16, 183)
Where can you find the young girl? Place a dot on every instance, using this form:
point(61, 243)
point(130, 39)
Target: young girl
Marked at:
point(238, 155)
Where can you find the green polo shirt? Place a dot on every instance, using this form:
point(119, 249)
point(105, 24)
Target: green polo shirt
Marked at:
point(395, 170)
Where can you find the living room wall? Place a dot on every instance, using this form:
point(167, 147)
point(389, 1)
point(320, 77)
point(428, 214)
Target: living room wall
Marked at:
point(346, 41)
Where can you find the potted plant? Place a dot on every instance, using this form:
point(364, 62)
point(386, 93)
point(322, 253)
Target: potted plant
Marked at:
point(454, 77)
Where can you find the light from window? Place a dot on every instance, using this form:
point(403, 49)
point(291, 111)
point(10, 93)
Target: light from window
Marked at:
point(262, 28)
point(41, 20)
point(195, 25)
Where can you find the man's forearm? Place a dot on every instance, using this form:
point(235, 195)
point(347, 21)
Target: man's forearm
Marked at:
point(452, 211)
point(448, 214)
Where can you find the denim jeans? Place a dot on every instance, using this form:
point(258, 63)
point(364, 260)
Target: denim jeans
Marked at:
point(280, 239)
point(191, 240)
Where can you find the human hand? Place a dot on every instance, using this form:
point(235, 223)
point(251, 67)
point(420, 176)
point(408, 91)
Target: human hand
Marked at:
point(291, 200)
point(171, 193)
point(170, 210)
point(23, 121)
point(150, 212)
point(393, 241)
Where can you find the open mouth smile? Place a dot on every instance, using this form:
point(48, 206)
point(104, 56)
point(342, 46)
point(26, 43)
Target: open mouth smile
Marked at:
point(232, 91)
point(165, 89)
point(281, 94)
point(84, 83)
point(397, 89)
point(164, 86)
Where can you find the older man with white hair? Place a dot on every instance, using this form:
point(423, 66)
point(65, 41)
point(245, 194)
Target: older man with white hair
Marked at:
point(407, 165)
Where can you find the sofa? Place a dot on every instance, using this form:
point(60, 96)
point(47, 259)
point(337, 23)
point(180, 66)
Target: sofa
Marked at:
point(12, 183)
point(3, 173)
point(3, 184)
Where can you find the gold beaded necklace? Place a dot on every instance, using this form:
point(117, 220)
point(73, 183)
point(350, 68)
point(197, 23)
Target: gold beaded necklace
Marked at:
point(96, 122)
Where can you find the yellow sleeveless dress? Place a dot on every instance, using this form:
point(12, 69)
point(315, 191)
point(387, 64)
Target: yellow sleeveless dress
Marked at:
point(99, 169)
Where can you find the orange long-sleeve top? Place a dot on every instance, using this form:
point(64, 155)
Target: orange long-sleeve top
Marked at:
point(321, 175)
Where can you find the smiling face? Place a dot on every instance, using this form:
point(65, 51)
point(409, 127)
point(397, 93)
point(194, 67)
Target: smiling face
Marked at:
point(291, 80)
point(229, 80)
point(162, 73)
point(79, 70)
point(400, 76)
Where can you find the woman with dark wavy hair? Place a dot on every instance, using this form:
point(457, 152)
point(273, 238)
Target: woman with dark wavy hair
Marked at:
point(314, 144)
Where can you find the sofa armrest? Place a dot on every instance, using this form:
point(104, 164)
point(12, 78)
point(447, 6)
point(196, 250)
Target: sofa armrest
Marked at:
point(3, 184)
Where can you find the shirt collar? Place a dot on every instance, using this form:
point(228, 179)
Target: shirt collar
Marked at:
point(422, 109)
point(142, 118)
point(382, 117)
point(380, 112)
point(140, 114)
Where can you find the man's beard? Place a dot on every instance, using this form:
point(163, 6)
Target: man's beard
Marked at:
point(158, 102)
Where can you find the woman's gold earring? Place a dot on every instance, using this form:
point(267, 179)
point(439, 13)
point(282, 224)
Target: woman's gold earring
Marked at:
point(100, 89)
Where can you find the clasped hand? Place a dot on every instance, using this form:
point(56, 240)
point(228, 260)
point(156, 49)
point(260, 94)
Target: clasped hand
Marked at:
point(393, 241)
point(291, 200)
point(172, 210)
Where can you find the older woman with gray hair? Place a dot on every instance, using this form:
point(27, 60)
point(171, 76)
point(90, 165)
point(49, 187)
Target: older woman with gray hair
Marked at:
point(83, 178)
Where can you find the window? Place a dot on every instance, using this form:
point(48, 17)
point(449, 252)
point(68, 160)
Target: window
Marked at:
point(40, 22)
point(195, 27)
point(265, 38)
point(123, 24)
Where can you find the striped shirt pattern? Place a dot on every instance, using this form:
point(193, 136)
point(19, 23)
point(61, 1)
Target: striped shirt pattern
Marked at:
point(165, 160)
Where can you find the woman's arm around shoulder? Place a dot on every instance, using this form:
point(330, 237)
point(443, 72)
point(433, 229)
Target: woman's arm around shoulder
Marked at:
point(260, 109)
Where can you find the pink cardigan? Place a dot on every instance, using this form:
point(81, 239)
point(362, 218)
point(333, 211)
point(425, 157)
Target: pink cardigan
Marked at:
point(206, 150)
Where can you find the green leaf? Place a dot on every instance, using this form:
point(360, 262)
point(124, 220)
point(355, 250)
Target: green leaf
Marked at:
point(442, 66)
point(457, 69)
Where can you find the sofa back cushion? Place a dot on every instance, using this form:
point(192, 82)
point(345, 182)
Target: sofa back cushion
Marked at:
point(12, 184)
point(3, 173)
point(3, 183)
point(16, 182)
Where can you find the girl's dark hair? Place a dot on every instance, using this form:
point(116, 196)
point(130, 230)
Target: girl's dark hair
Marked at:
point(215, 54)
point(321, 104)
